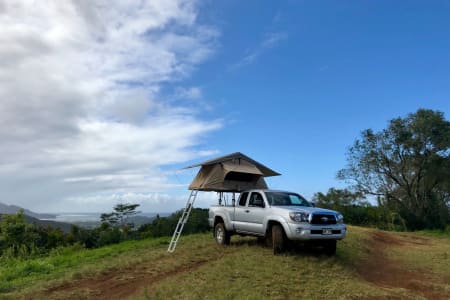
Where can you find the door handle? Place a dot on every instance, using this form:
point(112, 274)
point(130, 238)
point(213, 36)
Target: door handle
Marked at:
point(247, 211)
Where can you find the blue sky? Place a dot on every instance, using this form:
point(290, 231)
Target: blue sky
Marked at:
point(130, 92)
point(339, 68)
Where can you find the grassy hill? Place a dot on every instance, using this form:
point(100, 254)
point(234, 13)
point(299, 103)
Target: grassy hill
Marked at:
point(369, 264)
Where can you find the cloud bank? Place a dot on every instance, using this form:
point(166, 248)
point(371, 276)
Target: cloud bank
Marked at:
point(83, 122)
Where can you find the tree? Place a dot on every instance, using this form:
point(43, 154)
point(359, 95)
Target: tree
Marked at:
point(336, 198)
point(120, 215)
point(16, 236)
point(407, 166)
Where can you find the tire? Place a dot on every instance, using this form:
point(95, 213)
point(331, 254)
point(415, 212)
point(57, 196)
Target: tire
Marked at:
point(329, 247)
point(278, 241)
point(221, 235)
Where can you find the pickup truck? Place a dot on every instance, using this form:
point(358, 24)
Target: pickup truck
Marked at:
point(278, 217)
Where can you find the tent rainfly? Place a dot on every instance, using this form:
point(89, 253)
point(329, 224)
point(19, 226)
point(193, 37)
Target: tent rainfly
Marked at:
point(231, 173)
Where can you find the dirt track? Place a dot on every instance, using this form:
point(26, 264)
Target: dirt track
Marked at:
point(379, 270)
point(385, 272)
point(120, 284)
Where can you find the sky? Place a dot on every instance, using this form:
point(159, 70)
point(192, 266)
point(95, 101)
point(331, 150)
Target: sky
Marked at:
point(104, 102)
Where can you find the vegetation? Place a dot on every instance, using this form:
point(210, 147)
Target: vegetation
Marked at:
point(120, 215)
point(198, 222)
point(19, 239)
point(407, 167)
point(358, 211)
point(201, 270)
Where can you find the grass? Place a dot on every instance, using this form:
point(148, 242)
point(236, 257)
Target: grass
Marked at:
point(253, 272)
point(199, 269)
point(19, 275)
point(426, 251)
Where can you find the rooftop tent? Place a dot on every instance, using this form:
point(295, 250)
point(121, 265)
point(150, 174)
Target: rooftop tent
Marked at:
point(231, 173)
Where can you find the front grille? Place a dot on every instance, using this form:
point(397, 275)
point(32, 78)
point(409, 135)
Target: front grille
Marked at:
point(323, 219)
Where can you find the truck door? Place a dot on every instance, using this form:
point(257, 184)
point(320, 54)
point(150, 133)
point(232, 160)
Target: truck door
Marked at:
point(239, 212)
point(250, 218)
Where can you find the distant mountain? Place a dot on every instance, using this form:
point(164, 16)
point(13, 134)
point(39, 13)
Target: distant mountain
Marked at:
point(12, 209)
point(44, 223)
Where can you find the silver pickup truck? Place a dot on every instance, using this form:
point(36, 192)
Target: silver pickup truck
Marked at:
point(277, 216)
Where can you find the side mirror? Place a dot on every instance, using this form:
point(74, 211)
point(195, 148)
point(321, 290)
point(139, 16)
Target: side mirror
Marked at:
point(312, 204)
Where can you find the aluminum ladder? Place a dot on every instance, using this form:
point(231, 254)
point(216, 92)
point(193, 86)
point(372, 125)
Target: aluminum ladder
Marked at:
point(183, 219)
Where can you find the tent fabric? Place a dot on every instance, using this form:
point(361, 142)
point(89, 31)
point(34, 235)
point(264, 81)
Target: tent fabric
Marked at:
point(232, 174)
point(237, 156)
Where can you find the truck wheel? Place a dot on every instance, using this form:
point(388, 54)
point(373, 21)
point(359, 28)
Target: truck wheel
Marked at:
point(330, 247)
point(221, 235)
point(277, 239)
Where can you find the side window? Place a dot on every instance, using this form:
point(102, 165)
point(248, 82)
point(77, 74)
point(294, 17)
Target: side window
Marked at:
point(256, 199)
point(243, 199)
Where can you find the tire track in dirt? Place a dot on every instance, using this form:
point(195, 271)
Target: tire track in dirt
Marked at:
point(120, 284)
point(388, 273)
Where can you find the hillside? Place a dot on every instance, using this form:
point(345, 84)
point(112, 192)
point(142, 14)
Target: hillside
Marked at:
point(370, 264)
point(44, 223)
point(12, 209)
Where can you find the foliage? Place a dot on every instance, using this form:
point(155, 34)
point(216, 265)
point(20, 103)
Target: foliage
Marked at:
point(197, 222)
point(336, 198)
point(22, 240)
point(407, 166)
point(19, 239)
point(120, 216)
point(358, 211)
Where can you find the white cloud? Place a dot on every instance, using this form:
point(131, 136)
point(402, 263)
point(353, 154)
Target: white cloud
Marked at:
point(192, 93)
point(81, 115)
point(270, 40)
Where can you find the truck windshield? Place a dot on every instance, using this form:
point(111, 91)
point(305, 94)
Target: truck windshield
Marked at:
point(286, 199)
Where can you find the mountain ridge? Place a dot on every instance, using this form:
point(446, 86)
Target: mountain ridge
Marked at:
point(12, 209)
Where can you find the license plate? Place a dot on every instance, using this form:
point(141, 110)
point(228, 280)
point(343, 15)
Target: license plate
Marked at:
point(327, 231)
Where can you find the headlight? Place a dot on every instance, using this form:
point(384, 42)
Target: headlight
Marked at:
point(299, 216)
point(339, 218)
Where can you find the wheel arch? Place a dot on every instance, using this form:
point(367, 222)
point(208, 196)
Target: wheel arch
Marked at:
point(275, 221)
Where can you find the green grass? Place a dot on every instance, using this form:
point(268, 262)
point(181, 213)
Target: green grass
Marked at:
point(199, 269)
point(19, 275)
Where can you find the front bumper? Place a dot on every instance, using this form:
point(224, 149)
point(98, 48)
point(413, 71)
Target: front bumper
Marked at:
point(306, 231)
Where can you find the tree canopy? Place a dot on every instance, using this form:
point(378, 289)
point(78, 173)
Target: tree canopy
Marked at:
point(407, 167)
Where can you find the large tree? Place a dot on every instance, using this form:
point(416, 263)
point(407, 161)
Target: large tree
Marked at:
point(120, 215)
point(407, 166)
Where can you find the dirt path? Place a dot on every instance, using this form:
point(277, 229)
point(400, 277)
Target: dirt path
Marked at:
point(120, 284)
point(388, 273)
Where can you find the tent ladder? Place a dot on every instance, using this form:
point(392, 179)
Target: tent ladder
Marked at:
point(183, 219)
